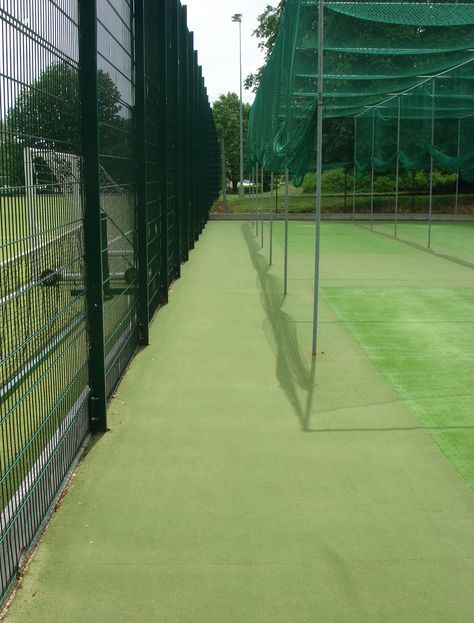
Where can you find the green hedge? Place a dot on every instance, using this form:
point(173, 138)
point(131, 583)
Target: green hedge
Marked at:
point(337, 181)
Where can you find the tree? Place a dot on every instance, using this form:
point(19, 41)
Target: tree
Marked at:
point(266, 31)
point(226, 111)
point(47, 114)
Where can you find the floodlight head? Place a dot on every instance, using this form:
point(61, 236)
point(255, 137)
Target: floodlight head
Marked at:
point(237, 17)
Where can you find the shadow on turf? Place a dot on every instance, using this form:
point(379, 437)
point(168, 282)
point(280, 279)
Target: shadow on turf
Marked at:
point(295, 374)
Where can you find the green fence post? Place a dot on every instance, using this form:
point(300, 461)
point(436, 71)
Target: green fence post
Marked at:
point(162, 38)
point(92, 216)
point(142, 216)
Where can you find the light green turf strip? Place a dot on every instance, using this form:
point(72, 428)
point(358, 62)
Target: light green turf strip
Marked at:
point(422, 340)
point(233, 488)
point(418, 331)
point(453, 239)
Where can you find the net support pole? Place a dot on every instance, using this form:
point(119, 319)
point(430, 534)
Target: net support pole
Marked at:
point(250, 197)
point(430, 213)
point(270, 261)
point(285, 272)
point(261, 211)
point(93, 242)
point(397, 174)
point(355, 172)
point(372, 179)
point(319, 168)
point(456, 201)
point(256, 199)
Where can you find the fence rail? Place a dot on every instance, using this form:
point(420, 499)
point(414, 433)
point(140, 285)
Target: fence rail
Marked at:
point(109, 163)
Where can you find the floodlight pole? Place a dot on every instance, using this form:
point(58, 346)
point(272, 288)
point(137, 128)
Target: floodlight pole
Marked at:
point(261, 211)
point(456, 204)
point(271, 220)
point(373, 173)
point(319, 168)
point(430, 215)
point(238, 18)
point(397, 175)
point(354, 182)
point(285, 272)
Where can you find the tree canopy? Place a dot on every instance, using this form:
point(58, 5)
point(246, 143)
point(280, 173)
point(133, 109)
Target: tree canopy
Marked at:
point(266, 32)
point(47, 114)
point(226, 112)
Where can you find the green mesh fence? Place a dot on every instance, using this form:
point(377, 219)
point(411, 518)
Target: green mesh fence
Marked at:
point(109, 163)
point(398, 76)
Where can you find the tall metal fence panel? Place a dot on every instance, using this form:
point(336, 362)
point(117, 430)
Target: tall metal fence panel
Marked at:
point(109, 163)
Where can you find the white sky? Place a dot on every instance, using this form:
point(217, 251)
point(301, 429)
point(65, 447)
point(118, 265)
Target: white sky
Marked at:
point(216, 38)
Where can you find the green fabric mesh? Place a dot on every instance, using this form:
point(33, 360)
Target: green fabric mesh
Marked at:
point(390, 68)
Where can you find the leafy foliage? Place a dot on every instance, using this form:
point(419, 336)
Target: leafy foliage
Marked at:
point(339, 181)
point(266, 31)
point(47, 114)
point(226, 112)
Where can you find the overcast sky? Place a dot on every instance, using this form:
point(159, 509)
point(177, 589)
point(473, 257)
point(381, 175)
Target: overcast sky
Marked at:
point(216, 38)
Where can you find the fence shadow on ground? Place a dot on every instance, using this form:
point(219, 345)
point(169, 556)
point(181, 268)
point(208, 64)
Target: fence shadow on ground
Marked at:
point(294, 372)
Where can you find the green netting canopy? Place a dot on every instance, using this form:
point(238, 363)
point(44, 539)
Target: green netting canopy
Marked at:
point(398, 76)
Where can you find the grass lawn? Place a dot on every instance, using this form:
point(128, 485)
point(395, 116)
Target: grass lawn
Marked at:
point(43, 336)
point(301, 203)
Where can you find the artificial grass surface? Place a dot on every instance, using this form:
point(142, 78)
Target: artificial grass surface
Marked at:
point(422, 340)
point(416, 329)
point(241, 483)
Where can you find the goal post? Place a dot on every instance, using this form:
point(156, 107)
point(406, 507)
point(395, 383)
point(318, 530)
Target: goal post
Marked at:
point(53, 174)
point(53, 182)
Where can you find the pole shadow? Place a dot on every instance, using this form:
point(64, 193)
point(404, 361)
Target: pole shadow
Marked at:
point(295, 373)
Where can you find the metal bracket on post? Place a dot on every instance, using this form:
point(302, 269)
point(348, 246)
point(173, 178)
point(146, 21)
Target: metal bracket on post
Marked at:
point(92, 213)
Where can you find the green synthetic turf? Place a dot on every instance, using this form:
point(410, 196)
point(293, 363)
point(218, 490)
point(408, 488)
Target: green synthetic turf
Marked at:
point(241, 483)
point(417, 333)
point(422, 340)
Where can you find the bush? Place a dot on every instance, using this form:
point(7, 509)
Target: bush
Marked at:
point(333, 182)
point(309, 183)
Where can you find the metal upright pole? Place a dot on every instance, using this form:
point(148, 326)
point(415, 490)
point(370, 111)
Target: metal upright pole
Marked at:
point(355, 171)
point(256, 199)
point(241, 189)
point(373, 173)
point(456, 204)
point(430, 215)
point(397, 175)
point(251, 198)
point(237, 17)
point(93, 242)
point(319, 168)
point(285, 275)
point(261, 211)
point(271, 220)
